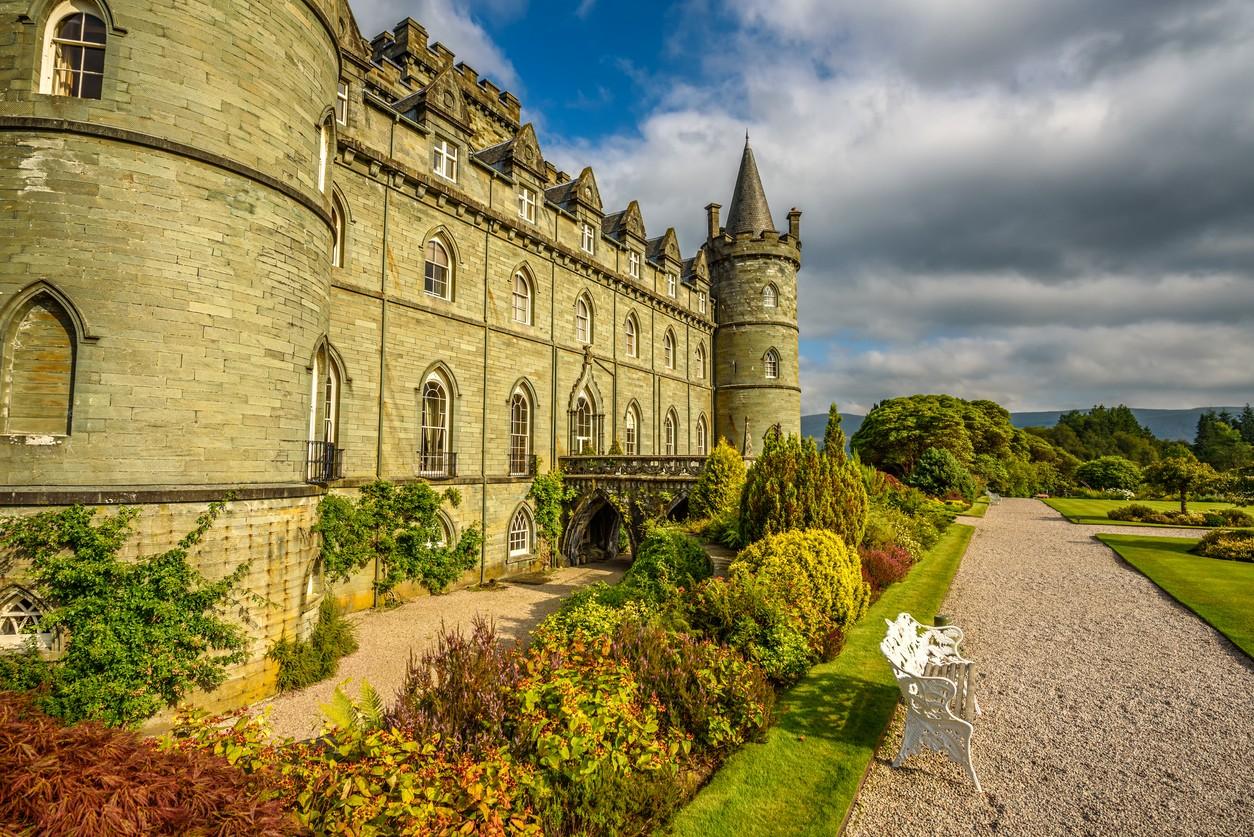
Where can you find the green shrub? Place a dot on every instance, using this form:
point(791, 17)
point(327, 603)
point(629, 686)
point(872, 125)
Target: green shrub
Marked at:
point(816, 572)
point(746, 614)
point(1140, 513)
point(668, 559)
point(1108, 472)
point(595, 611)
point(717, 490)
point(305, 662)
point(1137, 512)
point(940, 474)
point(724, 529)
point(1227, 544)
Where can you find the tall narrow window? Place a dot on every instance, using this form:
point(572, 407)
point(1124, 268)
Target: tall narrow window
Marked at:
point(436, 273)
point(337, 233)
point(324, 460)
point(631, 437)
point(583, 320)
point(433, 455)
point(588, 242)
point(770, 296)
point(770, 363)
point(672, 285)
point(701, 301)
point(522, 299)
point(326, 136)
point(583, 426)
point(527, 204)
point(519, 434)
point(74, 53)
point(669, 432)
point(341, 103)
point(631, 337)
point(520, 534)
point(703, 436)
point(444, 159)
point(633, 265)
point(700, 362)
point(668, 350)
point(38, 354)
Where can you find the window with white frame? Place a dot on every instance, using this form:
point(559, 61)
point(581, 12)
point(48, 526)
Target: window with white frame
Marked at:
point(522, 298)
point(519, 433)
point(588, 241)
point(433, 451)
point(326, 136)
point(633, 265)
point(337, 233)
point(520, 534)
point(583, 426)
point(670, 433)
point(770, 363)
point(701, 301)
point(770, 296)
point(703, 436)
point(583, 320)
point(668, 350)
point(20, 615)
point(700, 362)
point(444, 159)
point(631, 336)
point(672, 285)
point(631, 437)
point(341, 103)
point(74, 51)
point(437, 272)
point(527, 204)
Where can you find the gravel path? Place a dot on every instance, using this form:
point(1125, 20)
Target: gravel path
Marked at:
point(386, 637)
point(1108, 708)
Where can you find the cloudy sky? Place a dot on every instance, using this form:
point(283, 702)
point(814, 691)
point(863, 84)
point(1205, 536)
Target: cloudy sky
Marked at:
point(1049, 203)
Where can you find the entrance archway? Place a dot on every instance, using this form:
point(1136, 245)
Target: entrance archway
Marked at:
point(595, 531)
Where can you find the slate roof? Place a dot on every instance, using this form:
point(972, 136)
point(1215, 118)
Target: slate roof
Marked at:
point(749, 211)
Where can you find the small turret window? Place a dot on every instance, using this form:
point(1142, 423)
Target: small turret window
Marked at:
point(770, 363)
point(770, 296)
point(74, 52)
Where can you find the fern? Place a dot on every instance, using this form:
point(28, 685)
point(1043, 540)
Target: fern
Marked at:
point(357, 717)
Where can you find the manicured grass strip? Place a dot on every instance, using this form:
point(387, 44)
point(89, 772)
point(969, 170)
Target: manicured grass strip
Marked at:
point(976, 509)
point(804, 777)
point(1094, 511)
point(1220, 592)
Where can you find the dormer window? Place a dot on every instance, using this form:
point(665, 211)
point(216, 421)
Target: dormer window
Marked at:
point(444, 160)
point(341, 103)
point(588, 242)
point(527, 205)
point(633, 265)
point(672, 285)
point(701, 301)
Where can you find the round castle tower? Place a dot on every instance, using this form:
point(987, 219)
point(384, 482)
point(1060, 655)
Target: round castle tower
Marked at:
point(753, 272)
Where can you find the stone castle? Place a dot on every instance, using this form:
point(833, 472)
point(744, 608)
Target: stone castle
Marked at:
point(244, 249)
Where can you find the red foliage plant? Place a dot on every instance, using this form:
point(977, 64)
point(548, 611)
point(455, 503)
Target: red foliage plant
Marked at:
point(90, 779)
point(882, 567)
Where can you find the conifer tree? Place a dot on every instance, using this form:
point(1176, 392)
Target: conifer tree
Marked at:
point(718, 488)
point(834, 435)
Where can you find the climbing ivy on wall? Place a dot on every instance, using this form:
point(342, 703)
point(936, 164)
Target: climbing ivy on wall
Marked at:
point(550, 493)
point(399, 525)
point(140, 634)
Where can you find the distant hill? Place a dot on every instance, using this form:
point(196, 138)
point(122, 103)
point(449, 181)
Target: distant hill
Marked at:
point(1165, 424)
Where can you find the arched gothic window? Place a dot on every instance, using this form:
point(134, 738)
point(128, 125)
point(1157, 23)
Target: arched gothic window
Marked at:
point(522, 298)
point(337, 232)
point(630, 334)
point(38, 353)
point(438, 273)
point(325, 461)
point(520, 533)
point(631, 431)
point(519, 433)
point(326, 139)
point(583, 320)
point(583, 426)
point(703, 437)
point(74, 51)
point(770, 296)
point(20, 615)
point(700, 370)
point(770, 363)
point(434, 457)
point(670, 429)
point(668, 349)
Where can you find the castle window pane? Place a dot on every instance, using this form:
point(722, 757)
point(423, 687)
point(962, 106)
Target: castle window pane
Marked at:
point(702, 437)
point(522, 299)
point(519, 434)
point(633, 265)
point(583, 321)
point(77, 52)
point(20, 616)
point(583, 426)
point(770, 297)
point(700, 370)
point(520, 534)
point(37, 378)
point(671, 284)
point(588, 242)
point(341, 103)
point(444, 160)
point(527, 204)
point(337, 234)
point(629, 332)
point(669, 434)
point(436, 275)
point(630, 436)
point(433, 454)
point(668, 350)
point(771, 364)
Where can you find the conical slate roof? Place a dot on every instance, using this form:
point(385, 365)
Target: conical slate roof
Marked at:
point(749, 211)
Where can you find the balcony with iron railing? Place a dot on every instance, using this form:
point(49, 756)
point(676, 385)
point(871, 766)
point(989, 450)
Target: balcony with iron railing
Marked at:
point(437, 465)
point(596, 465)
point(324, 462)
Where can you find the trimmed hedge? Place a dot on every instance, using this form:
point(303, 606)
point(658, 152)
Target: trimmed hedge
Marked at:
point(1227, 544)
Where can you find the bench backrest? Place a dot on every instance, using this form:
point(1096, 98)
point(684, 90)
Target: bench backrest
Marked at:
point(904, 647)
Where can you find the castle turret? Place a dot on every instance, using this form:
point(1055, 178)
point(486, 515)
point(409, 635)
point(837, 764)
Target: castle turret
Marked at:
point(753, 268)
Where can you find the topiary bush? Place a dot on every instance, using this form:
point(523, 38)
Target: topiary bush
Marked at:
point(303, 663)
point(1227, 544)
point(717, 490)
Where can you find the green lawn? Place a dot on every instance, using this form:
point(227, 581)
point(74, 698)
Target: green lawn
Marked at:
point(976, 509)
point(1220, 592)
point(803, 778)
point(1094, 511)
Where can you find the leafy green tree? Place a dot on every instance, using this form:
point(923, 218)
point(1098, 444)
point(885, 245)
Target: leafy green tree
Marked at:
point(940, 474)
point(793, 486)
point(897, 431)
point(1182, 476)
point(717, 490)
point(1246, 424)
point(1109, 472)
point(1220, 444)
point(996, 474)
point(142, 633)
point(1105, 431)
point(834, 440)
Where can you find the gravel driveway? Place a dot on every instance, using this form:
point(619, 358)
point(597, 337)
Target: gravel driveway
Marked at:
point(1108, 708)
point(386, 637)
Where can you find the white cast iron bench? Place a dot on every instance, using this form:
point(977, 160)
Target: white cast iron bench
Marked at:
point(993, 498)
point(936, 683)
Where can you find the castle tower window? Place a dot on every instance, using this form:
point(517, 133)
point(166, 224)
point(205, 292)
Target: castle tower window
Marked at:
point(672, 285)
point(770, 296)
point(583, 320)
point(770, 363)
point(324, 461)
point(74, 51)
point(701, 301)
point(337, 233)
point(434, 458)
point(703, 435)
point(631, 337)
point(341, 103)
point(633, 265)
point(444, 160)
point(38, 356)
point(631, 433)
point(668, 350)
point(583, 426)
point(588, 242)
point(519, 434)
point(20, 615)
point(527, 204)
point(669, 433)
point(326, 137)
point(522, 299)
point(700, 370)
point(520, 534)
point(437, 274)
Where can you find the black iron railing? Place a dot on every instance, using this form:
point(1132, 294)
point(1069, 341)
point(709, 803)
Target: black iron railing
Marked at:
point(627, 466)
point(437, 465)
point(324, 462)
point(522, 464)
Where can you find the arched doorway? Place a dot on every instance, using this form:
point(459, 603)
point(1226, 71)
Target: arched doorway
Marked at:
point(596, 532)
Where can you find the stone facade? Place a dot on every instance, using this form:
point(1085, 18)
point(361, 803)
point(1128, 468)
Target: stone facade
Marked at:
point(276, 259)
